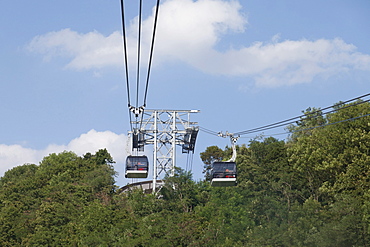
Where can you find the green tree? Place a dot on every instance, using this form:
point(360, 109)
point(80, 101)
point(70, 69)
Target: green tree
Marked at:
point(212, 154)
point(41, 205)
point(335, 164)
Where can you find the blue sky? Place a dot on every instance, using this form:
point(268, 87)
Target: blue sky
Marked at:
point(243, 64)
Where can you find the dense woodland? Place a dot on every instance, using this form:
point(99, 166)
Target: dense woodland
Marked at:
point(312, 189)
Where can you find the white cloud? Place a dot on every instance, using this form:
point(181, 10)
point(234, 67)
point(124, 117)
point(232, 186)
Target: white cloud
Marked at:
point(291, 62)
point(92, 141)
point(189, 30)
point(12, 155)
point(91, 50)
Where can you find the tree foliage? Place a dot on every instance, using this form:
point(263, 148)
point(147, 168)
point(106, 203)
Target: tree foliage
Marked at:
point(212, 154)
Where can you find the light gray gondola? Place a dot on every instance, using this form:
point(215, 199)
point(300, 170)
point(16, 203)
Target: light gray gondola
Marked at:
point(224, 173)
point(137, 167)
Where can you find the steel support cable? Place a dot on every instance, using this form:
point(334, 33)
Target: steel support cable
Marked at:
point(150, 59)
point(138, 53)
point(189, 161)
point(304, 115)
point(125, 57)
point(137, 110)
point(208, 131)
point(308, 118)
point(319, 126)
point(151, 51)
point(211, 132)
point(324, 125)
point(284, 122)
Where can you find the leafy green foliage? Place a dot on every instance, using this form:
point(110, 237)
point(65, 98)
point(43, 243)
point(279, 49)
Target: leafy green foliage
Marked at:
point(40, 205)
point(212, 154)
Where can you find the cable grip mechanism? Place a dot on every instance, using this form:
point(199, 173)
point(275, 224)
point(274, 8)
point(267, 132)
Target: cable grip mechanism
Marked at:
point(136, 110)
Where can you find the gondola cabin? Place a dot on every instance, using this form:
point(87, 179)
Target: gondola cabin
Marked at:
point(136, 167)
point(223, 174)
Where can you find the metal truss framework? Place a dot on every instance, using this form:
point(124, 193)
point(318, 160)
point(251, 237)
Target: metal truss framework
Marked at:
point(165, 129)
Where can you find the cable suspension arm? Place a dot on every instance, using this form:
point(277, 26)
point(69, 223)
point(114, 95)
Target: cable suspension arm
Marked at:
point(233, 140)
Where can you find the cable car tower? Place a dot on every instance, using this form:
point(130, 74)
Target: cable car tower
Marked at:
point(165, 129)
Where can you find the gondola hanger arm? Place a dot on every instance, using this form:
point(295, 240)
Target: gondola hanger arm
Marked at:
point(233, 140)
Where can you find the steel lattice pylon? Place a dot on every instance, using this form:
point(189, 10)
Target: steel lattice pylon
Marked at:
point(164, 129)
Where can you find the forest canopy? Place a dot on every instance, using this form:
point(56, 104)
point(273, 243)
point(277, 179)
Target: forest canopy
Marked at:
point(312, 189)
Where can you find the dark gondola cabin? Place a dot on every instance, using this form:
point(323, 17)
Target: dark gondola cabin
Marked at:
point(223, 174)
point(136, 167)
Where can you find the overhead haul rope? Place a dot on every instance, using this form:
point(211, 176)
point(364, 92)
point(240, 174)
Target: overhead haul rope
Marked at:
point(151, 51)
point(311, 114)
point(302, 117)
point(125, 57)
point(306, 118)
point(138, 54)
point(150, 58)
point(211, 132)
point(136, 110)
point(324, 125)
